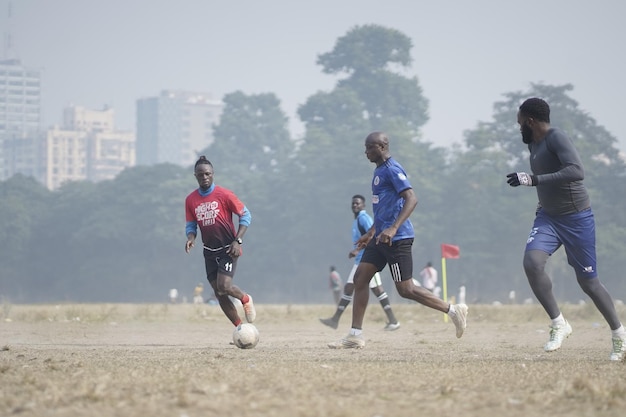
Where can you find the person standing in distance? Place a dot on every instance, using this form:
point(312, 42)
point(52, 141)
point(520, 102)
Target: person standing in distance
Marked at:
point(563, 218)
point(361, 224)
point(211, 208)
point(389, 242)
point(429, 277)
point(334, 283)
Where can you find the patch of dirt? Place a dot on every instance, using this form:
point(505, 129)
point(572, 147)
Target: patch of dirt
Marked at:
point(177, 360)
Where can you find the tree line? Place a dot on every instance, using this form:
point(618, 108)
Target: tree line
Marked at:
point(123, 240)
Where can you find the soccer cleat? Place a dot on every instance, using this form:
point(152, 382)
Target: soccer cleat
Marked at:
point(392, 326)
point(348, 342)
point(330, 323)
point(619, 348)
point(249, 310)
point(557, 335)
point(460, 318)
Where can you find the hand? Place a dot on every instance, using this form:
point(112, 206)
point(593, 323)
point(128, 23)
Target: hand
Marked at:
point(188, 245)
point(234, 250)
point(363, 241)
point(386, 236)
point(521, 178)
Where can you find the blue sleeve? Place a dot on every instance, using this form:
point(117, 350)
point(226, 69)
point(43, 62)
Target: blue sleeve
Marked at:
point(398, 179)
point(191, 227)
point(246, 217)
point(365, 221)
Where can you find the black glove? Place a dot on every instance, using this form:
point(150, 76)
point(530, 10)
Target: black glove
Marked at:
point(521, 178)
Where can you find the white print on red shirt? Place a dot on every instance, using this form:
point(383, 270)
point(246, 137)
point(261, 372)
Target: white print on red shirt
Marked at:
point(207, 212)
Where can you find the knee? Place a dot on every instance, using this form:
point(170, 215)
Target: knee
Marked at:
point(222, 290)
point(532, 266)
point(403, 289)
point(529, 265)
point(588, 285)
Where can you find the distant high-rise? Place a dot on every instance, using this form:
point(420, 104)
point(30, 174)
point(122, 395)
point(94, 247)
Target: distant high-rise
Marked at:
point(175, 126)
point(87, 148)
point(20, 105)
point(20, 98)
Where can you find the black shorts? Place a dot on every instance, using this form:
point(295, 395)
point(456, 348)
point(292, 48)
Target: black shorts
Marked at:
point(398, 256)
point(218, 263)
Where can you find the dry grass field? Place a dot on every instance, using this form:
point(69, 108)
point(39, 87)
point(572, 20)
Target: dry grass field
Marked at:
point(176, 361)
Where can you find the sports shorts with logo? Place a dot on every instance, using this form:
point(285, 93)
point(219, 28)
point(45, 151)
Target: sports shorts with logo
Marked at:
point(398, 256)
point(576, 232)
point(219, 262)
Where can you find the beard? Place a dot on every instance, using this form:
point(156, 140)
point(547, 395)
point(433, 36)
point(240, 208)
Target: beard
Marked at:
point(527, 134)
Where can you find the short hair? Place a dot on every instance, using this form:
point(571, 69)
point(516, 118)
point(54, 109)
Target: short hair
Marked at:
point(359, 196)
point(202, 161)
point(536, 108)
point(379, 137)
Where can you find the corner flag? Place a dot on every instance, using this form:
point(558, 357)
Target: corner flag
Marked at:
point(449, 251)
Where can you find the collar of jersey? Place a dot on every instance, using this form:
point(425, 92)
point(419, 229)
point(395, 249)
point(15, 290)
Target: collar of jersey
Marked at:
point(207, 192)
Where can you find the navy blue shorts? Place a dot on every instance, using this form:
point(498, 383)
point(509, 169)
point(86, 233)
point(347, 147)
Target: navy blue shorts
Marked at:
point(576, 232)
point(398, 256)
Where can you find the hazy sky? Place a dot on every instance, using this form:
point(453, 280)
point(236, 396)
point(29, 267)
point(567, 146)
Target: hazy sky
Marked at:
point(466, 53)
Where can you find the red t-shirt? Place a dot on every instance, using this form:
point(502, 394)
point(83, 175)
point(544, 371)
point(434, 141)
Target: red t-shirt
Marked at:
point(214, 215)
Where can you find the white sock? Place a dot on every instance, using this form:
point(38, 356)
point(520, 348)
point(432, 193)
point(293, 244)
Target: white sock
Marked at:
point(558, 321)
point(619, 332)
point(451, 311)
point(356, 332)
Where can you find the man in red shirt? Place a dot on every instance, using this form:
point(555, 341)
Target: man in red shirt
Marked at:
point(211, 208)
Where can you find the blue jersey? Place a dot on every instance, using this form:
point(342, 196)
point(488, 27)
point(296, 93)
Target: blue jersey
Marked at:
point(389, 181)
point(360, 226)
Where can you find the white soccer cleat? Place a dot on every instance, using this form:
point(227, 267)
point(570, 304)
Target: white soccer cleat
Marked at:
point(392, 326)
point(348, 342)
point(557, 336)
point(460, 318)
point(619, 349)
point(249, 310)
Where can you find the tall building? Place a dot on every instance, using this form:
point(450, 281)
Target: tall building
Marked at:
point(87, 148)
point(109, 153)
point(64, 156)
point(175, 126)
point(20, 107)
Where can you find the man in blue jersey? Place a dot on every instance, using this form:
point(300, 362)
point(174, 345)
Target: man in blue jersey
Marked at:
point(563, 218)
point(361, 224)
point(389, 242)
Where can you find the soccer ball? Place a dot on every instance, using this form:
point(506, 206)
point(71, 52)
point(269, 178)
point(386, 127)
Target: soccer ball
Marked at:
point(246, 336)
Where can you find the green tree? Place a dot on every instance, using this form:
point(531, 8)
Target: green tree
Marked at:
point(251, 138)
point(22, 203)
point(367, 49)
point(370, 56)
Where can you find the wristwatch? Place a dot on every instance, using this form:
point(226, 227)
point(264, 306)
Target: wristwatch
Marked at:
point(239, 240)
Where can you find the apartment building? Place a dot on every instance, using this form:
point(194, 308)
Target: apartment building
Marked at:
point(20, 109)
point(88, 147)
point(175, 126)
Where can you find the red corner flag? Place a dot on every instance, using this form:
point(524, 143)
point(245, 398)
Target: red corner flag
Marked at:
point(449, 251)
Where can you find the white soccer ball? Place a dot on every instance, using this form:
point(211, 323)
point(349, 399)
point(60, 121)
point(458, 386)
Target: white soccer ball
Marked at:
point(246, 336)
